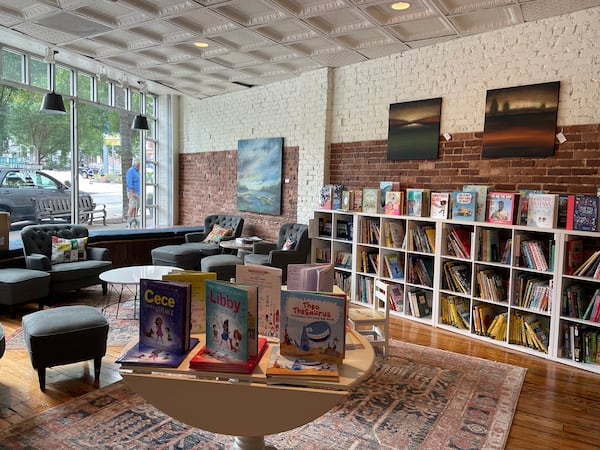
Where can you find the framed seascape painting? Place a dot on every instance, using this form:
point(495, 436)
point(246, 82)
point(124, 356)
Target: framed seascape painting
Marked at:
point(520, 121)
point(259, 171)
point(414, 130)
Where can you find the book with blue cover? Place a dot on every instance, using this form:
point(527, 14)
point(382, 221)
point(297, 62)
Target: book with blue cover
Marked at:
point(231, 319)
point(165, 315)
point(464, 205)
point(313, 326)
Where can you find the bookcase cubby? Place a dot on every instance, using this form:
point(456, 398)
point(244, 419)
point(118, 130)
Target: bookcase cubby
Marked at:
point(509, 285)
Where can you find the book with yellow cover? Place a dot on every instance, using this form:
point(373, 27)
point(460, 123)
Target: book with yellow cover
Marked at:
point(197, 280)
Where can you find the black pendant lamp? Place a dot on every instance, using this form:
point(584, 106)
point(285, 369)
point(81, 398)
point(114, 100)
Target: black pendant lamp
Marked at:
point(52, 102)
point(140, 123)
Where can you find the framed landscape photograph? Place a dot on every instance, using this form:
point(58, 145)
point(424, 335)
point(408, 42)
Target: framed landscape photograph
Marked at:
point(520, 121)
point(414, 130)
point(259, 171)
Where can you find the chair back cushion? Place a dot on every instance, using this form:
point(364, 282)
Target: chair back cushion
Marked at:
point(38, 238)
point(236, 223)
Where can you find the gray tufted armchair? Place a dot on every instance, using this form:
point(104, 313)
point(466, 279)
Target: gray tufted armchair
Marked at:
point(64, 276)
point(272, 254)
point(194, 240)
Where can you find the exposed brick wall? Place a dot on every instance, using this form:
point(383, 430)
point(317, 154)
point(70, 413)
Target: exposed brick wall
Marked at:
point(208, 183)
point(574, 168)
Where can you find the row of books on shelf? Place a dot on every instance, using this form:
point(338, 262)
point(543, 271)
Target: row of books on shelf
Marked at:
point(481, 203)
point(455, 311)
point(457, 276)
point(525, 329)
point(581, 344)
point(306, 328)
point(578, 302)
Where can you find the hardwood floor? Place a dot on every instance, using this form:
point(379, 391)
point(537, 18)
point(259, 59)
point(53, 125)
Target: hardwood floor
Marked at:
point(557, 408)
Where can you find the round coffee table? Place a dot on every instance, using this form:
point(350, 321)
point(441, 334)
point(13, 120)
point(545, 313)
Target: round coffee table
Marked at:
point(125, 277)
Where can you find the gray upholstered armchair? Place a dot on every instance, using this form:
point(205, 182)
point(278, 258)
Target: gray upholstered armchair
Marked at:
point(67, 272)
point(273, 254)
point(194, 240)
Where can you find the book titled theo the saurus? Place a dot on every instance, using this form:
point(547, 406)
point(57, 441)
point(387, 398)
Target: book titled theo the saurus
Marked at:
point(313, 326)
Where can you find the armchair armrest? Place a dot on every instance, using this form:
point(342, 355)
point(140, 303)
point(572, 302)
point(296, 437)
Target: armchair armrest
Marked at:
point(263, 248)
point(37, 261)
point(98, 253)
point(197, 236)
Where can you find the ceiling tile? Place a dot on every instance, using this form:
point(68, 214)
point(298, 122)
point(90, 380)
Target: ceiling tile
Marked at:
point(251, 12)
point(287, 31)
point(487, 20)
point(204, 22)
point(341, 21)
point(382, 14)
point(462, 6)
point(274, 53)
point(372, 37)
point(422, 29)
point(241, 40)
point(303, 8)
point(235, 60)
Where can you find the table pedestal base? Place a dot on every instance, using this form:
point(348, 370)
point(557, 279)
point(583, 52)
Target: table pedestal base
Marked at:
point(250, 443)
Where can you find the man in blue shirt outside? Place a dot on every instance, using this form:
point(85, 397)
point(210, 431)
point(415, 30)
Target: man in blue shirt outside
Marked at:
point(133, 193)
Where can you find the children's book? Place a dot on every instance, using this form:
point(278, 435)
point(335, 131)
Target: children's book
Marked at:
point(326, 197)
point(153, 356)
point(417, 202)
point(464, 205)
point(502, 207)
point(371, 199)
point(310, 277)
point(336, 199)
point(197, 280)
point(231, 319)
point(394, 203)
point(385, 187)
point(393, 266)
point(347, 200)
point(563, 207)
point(394, 233)
point(482, 195)
point(582, 213)
point(165, 308)
point(542, 210)
point(268, 280)
point(313, 326)
point(440, 204)
point(358, 200)
point(523, 207)
point(218, 361)
point(292, 368)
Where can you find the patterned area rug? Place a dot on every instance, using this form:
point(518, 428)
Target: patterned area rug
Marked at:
point(418, 398)
point(121, 327)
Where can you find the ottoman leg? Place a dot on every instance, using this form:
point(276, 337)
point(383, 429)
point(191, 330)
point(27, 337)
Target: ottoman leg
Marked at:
point(97, 367)
point(42, 377)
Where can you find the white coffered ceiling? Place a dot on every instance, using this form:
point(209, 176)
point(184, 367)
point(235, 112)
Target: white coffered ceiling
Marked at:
point(253, 42)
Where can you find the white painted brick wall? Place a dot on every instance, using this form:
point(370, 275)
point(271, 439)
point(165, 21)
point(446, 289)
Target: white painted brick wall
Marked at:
point(564, 48)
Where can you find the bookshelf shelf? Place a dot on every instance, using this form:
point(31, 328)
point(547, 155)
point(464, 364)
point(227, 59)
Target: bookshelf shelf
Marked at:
point(518, 274)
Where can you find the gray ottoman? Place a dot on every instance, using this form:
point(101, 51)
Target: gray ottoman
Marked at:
point(181, 256)
point(222, 265)
point(65, 335)
point(19, 286)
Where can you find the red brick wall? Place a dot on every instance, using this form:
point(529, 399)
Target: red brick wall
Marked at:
point(574, 168)
point(208, 185)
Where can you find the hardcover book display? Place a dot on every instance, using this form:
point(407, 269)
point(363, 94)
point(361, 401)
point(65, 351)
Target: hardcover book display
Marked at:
point(524, 204)
point(542, 210)
point(417, 202)
point(502, 207)
point(336, 199)
point(313, 326)
point(197, 280)
point(268, 280)
point(440, 203)
point(582, 212)
point(482, 195)
point(326, 197)
point(464, 205)
point(290, 368)
point(218, 361)
point(384, 188)
point(394, 203)
point(164, 336)
point(310, 277)
point(231, 319)
point(371, 199)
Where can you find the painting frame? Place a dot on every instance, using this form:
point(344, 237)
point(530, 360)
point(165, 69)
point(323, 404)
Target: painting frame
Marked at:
point(414, 130)
point(259, 175)
point(521, 121)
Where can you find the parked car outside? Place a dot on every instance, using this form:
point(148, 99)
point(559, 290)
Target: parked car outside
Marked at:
point(18, 188)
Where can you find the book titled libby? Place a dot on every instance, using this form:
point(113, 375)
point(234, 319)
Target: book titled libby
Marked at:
point(231, 319)
point(313, 326)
